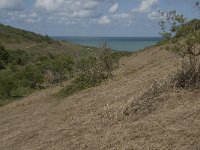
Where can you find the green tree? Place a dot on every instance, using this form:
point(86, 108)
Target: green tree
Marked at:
point(171, 25)
point(183, 37)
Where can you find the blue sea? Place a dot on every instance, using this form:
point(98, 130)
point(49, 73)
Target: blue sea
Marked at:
point(116, 43)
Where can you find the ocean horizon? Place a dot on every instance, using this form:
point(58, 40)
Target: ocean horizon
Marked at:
point(116, 43)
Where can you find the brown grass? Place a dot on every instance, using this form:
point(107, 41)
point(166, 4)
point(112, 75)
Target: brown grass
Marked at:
point(95, 119)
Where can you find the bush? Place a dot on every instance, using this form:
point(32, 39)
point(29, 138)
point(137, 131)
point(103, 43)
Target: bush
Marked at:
point(188, 77)
point(7, 84)
point(60, 66)
point(86, 64)
point(91, 71)
point(106, 59)
point(184, 37)
point(19, 57)
point(56, 69)
point(2, 65)
point(4, 55)
point(84, 81)
point(32, 76)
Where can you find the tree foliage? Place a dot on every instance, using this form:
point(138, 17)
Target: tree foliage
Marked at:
point(183, 36)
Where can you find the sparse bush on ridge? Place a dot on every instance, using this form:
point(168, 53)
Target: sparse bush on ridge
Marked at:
point(106, 59)
point(92, 71)
point(188, 76)
point(27, 74)
point(183, 38)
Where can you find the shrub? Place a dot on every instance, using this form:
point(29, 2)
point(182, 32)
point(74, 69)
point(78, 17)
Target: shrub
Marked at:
point(86, 64)
point(188, 76)
point(2, 65)
point(60, 66)
point(90, 73)
point(48, 39)
point(106, 59)
point(84, 81)
point(56, 69)
point(19, 57)
point(7, 84)
point(32, 76)
point(183, 38)
point(4, 55)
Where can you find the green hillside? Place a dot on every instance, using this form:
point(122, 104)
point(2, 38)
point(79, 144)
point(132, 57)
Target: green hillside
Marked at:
point(13, 38)
point(30, 62)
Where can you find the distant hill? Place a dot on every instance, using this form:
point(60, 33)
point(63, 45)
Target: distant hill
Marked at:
point(13, 38)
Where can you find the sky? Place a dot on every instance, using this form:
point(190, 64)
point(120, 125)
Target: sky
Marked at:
point(94, 18)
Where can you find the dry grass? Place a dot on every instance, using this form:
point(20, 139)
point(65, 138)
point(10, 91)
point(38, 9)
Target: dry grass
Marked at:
point(94, 118)
point(188, 76)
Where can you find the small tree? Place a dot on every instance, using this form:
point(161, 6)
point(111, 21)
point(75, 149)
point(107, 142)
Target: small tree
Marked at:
point(106, 58)
point(182, 36)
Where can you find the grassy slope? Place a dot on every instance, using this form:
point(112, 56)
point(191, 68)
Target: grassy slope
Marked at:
point(35, 46)
point(26, 65)
point(13, 38)
point(95, 118)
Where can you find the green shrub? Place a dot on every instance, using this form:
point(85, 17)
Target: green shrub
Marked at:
point(7, 84)
point(86, 64)
point(32, 76)
point(19, 57)
point(2, 65)
point(106, 59)
point(85, 80)
point(184, 38)
point(56, 69)
point(60, 66)
point(4, 55)
point(90, 73)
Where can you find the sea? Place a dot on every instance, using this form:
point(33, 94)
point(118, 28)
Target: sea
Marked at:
point(115, 43)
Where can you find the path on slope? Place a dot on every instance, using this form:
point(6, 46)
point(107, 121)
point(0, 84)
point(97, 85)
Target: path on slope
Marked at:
point(94, 119)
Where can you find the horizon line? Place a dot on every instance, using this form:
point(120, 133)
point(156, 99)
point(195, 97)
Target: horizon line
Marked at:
point(108, 36)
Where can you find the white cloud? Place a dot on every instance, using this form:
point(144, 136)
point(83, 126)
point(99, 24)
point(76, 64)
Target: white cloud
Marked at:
point(66, 5)
point(123, 18)
point(29, 17)
point(26, 16)
point(11, 4)
point(113, 9)
point(145, 6)
point(155, 16)
point(71, 11)
point(76, 12)
point(104, 20)
point(48, 5)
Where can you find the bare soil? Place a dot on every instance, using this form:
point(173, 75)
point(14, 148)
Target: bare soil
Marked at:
point(119, 114)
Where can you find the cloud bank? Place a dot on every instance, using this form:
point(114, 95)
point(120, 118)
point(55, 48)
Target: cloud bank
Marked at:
point(67, 12)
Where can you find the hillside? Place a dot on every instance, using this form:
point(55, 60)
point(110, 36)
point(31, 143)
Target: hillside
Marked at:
point(13, 38)
point(126, 112)
point(30, 62)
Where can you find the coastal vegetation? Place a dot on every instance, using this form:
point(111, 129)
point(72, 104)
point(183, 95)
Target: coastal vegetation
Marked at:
point(183, 37)
point(23, 71)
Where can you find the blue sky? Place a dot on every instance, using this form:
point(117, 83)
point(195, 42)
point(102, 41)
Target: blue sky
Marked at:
point(129, 18)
